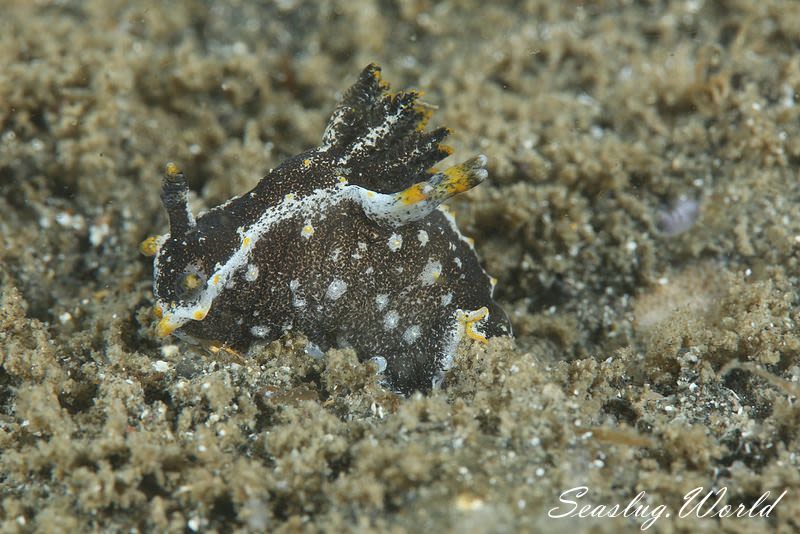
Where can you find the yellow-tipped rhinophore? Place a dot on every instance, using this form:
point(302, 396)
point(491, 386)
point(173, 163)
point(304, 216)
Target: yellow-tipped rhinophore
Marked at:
point(172, 170)
point(457, 180)
point(418, 200)
point(415, 193)
point(445, 184)
point(464, 176)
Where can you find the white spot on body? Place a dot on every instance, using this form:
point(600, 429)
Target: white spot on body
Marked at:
point(430, 273)
point(297, 298)
point(381, 301)
point(390, 320)
point(251, 274)
point(457, 261)
point(336, 253)
point(412, 334)
point(447, 299)
point(259, 331)
point(422, 236)
point(380, 361)
point(336, 289)
point(395, 242)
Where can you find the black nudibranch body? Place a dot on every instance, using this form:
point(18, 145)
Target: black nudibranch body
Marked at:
point(346, 243)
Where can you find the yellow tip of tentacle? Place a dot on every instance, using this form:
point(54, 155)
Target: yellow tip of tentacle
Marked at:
point(149, 247)
point(425, 112)
point(469, 319)
point(165, 327)
point(379, 78)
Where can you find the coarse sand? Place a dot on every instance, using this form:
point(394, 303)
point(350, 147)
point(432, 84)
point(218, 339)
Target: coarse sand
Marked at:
point(642, 216)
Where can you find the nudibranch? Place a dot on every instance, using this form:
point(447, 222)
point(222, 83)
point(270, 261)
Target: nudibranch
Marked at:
point(346, 243)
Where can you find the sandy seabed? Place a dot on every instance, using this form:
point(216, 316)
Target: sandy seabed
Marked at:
point(641, 216)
